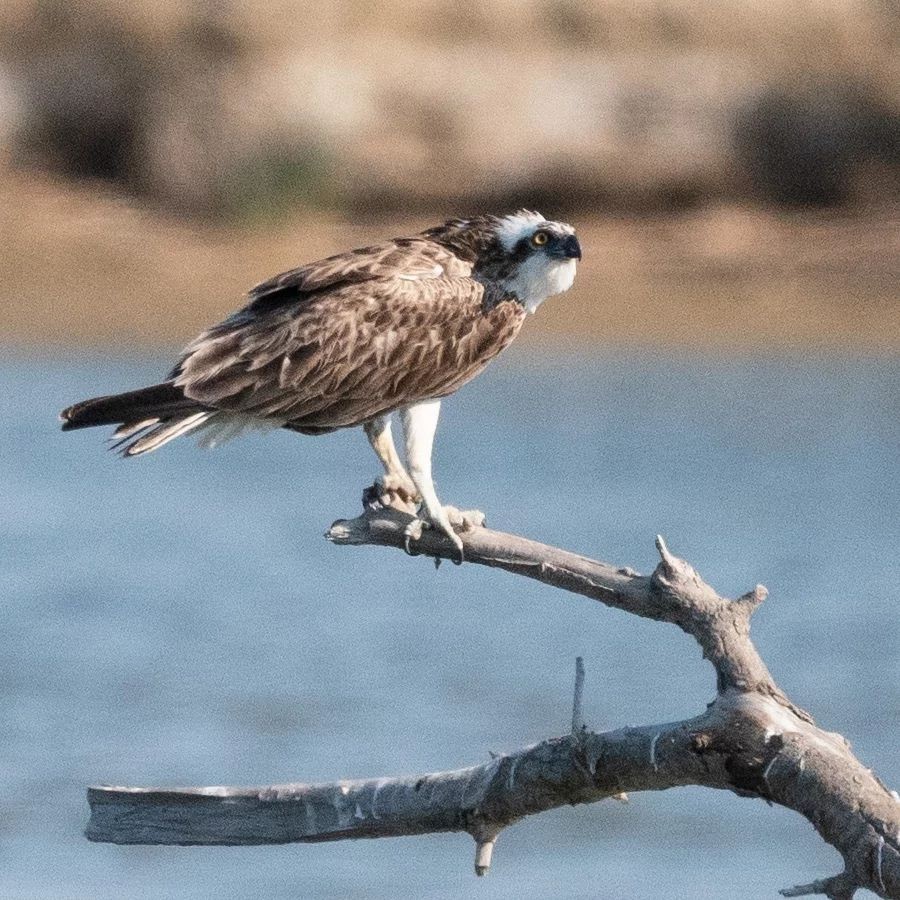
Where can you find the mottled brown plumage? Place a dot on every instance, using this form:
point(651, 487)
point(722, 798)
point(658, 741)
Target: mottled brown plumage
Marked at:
point(341, 342)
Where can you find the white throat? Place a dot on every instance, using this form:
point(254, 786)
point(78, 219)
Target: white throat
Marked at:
point(540, 277)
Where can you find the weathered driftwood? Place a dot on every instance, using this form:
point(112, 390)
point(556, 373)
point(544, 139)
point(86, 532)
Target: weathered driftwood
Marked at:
point(750, 740)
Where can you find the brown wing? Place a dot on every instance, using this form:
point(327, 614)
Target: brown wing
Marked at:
point(411, 257)
point(343, 355)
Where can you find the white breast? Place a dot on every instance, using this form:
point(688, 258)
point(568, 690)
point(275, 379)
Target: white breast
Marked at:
point(540, 277)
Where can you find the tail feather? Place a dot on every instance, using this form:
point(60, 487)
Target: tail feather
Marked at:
point(149, 418)
point(164, 432)
point(130, 429)
point(128, 434)
point(156, 402)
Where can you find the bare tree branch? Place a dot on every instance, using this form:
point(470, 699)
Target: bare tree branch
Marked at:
point(673, 593)
point(751, 740)
point(838, 887)
point(578, 701)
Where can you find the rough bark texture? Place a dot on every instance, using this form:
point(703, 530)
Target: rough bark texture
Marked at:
point(751, 740)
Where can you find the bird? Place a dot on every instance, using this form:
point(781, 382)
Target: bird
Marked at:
point(353, 338)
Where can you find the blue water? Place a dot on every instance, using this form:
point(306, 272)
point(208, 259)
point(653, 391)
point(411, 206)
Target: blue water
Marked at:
point(180, 620)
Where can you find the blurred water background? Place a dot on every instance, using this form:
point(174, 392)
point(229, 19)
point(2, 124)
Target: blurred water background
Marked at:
point(725, 371)
point(180, 620)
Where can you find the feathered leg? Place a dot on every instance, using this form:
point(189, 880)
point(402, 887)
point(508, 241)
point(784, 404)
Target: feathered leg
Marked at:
point(396, 479)
point(419, 425)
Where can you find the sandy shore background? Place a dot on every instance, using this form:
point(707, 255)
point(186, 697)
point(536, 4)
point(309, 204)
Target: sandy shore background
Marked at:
point(86, 268)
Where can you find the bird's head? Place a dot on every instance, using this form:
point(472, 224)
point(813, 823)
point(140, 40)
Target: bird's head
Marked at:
point(523, 253)
point(537, 257)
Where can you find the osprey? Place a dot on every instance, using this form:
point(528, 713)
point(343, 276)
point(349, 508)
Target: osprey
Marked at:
point(353, 338)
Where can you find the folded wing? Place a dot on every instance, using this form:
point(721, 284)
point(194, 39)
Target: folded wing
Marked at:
point(342, 355)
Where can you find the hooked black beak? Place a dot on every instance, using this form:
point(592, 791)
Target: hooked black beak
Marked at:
point(570, 247)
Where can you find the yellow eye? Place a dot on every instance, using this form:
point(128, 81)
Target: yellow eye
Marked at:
point(540, 238)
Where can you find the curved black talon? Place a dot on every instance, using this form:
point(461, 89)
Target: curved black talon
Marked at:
point(462, 557)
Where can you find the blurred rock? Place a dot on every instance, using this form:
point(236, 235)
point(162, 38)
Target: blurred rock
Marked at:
point(805, 147)
point(84, 85)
